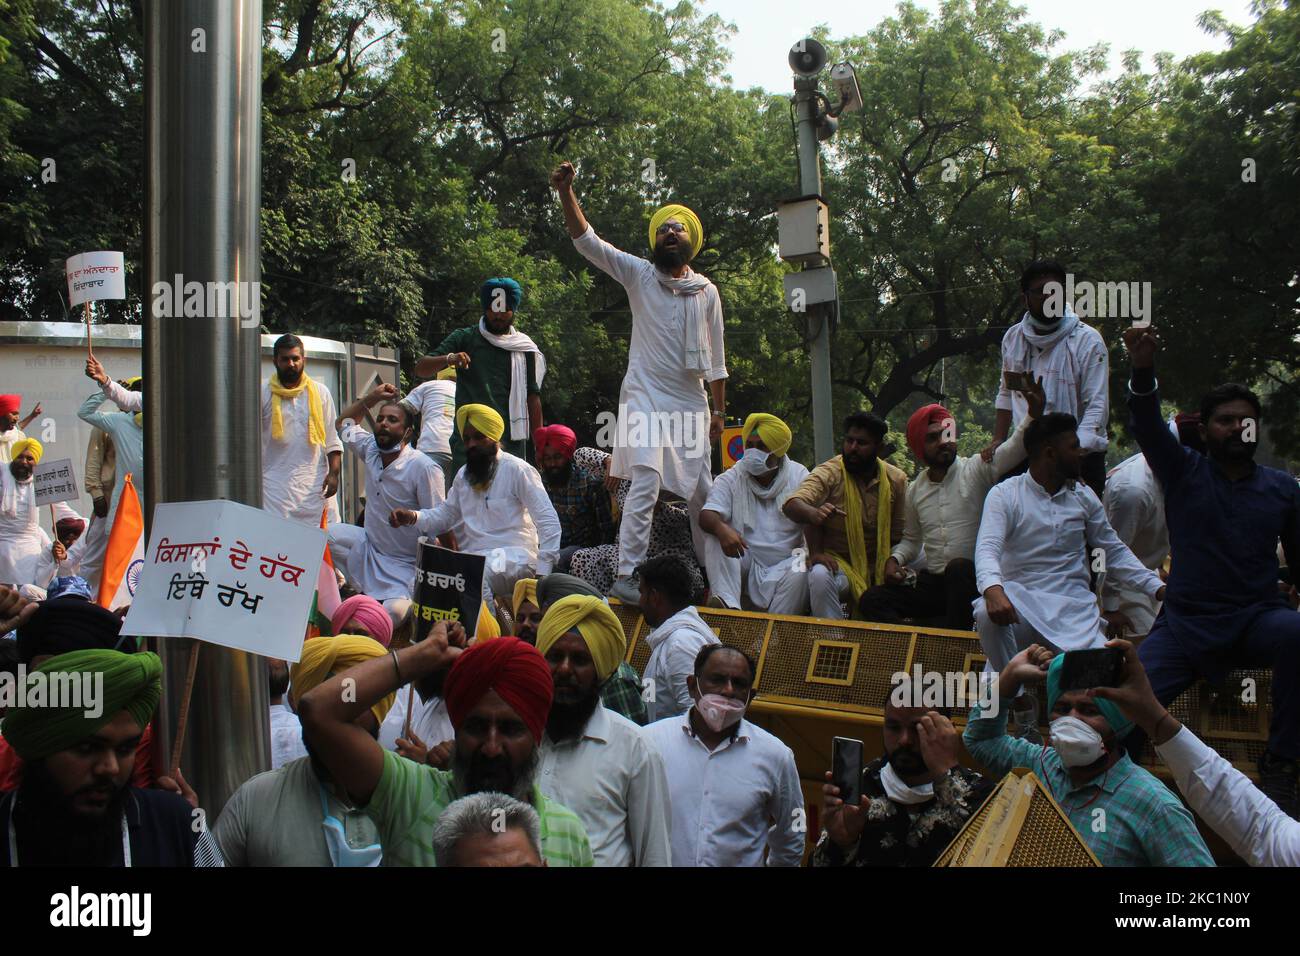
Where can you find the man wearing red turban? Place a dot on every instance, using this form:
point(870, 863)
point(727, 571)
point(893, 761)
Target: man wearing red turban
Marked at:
point(943, 508)
point(579, 496)
point(12, 424)
point(498, 695)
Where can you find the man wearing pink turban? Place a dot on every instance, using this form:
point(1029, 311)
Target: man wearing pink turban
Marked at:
point(362, 614)
point(579, 497)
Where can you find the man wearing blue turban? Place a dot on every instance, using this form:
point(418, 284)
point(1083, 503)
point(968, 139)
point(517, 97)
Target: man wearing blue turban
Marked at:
point(497, 366)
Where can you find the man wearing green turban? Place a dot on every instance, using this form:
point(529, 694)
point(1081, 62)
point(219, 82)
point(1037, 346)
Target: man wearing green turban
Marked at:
point(1124, 814)
point(76, 725)
point(597, 763)
point(497, 366)
point(664, 427)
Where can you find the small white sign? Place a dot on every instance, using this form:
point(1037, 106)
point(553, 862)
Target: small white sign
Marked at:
point(55, 481)
point(228, 574)
point(95, 275)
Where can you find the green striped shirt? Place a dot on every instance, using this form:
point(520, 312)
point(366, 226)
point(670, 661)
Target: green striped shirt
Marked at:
point(411, 796)
point(1125, 815)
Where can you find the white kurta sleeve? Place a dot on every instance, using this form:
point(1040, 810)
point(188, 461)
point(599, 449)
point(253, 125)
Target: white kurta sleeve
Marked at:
point(1009, 454)
point(332, 441)
point(443, 516)
point(717, 346)
point(1003, 402)
point(907, 550)
point(1253, 825)
point(785, 840)
point(123, 398)
point(991, 539)
point(542, 511)
point(621, 265)
point(357, 439)
point(720, 498)
point(1122, 566)
point(429, 489)
point(1094, 400)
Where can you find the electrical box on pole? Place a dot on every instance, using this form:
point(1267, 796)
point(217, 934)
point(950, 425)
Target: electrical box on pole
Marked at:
point(803, 230)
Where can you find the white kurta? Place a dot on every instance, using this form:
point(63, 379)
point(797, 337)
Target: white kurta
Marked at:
point(943, 518)
point(1075, 371)
point(658, 388)
point(1034, 545)
point(513, 514)
point(293, 469)
point(673, 646)
point(22, 539)
point(383, 565)
point(1135, 507)
point(771, 536)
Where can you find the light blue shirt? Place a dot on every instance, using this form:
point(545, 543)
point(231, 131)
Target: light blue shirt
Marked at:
point(128, 440)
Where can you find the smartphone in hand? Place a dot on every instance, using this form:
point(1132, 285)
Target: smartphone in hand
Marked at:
point(1097, 667)
point(846, 769)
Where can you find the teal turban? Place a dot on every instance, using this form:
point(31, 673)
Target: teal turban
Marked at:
point(1118, 722)
point(513, 293)
point(130, 682)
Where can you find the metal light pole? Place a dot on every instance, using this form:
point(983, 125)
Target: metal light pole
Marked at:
point(818, 316)
point(203, 100)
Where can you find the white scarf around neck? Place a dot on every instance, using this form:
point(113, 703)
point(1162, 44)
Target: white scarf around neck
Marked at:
point(697, 355)
point(519, 345)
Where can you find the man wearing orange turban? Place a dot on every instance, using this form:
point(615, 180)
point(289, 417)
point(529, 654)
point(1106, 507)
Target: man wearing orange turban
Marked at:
point(677, 346)
point(498, 694)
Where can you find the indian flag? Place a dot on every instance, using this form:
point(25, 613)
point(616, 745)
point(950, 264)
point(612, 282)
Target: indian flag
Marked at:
point(124, 554)
point(327, 598)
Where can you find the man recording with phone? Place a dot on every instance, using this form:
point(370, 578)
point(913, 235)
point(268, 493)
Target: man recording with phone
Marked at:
point(912, 801)
point(1125, 815)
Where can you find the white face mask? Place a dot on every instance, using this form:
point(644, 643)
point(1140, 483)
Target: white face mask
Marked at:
point(900, 792)
point(754, 463)
point(718, 712)
point(1076, 743)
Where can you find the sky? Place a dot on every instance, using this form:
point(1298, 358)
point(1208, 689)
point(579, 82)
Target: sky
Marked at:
point(766, 29)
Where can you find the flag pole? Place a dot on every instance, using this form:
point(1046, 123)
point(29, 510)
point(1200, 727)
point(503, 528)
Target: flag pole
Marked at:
point(183, 717)
point(90, 350)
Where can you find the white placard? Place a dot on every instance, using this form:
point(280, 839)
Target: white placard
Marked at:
point(55, 481)
point(227, 574)
point(95, 275)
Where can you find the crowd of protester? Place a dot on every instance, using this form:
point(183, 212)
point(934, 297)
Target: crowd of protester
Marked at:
point(529, 740)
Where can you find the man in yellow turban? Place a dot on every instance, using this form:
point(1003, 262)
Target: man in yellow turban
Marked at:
point(677, 346)
point(76, 726)
point(753, 551)
point(496, 507)
point(598, 763)
point(23, 543)
point(526, 609)
point(301, 451)
point(297, 815)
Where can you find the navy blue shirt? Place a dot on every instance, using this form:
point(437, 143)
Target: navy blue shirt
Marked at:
point(1223, 536)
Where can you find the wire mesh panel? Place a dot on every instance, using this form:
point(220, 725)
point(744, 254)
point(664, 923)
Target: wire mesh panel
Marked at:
point(810, 662)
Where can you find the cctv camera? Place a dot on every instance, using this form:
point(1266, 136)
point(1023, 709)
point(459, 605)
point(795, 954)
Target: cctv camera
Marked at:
point(846, 84)
point(807, 57)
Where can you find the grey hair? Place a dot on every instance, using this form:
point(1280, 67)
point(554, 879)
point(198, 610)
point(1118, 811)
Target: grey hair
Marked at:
point(487, 813)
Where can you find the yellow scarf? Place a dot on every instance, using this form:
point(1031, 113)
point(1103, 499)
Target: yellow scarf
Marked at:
point(316, 411)
point(861, 575)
